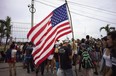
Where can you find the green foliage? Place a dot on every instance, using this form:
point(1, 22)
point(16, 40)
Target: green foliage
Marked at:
point(5, 29)
point(107, 28)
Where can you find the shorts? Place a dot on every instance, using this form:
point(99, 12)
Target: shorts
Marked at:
point(106, 69)
point(12, 60)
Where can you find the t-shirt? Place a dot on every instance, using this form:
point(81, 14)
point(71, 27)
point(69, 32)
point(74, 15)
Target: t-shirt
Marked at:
point(28, 51)
point(107, 60)
point(13, 53)
point(65, 61)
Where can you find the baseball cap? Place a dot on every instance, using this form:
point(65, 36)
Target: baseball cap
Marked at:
point(66, 41)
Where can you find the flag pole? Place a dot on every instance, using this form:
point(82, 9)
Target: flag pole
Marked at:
point(72, 30)
point(70, 18)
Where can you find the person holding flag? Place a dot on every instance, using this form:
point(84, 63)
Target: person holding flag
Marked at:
point(65, 57)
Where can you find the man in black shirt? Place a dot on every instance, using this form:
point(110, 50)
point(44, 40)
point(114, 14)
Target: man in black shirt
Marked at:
point(65, 53)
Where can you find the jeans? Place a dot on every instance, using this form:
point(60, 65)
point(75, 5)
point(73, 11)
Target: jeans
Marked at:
point(30, 65)
point(57, 66)
point(41, 67)
point(68, 72)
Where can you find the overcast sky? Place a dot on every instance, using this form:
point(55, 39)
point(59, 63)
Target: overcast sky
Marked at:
point(87, 15)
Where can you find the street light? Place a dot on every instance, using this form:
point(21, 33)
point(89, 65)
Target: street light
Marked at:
point(32, 10)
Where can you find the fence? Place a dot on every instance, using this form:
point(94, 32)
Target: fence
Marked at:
point(19, 31)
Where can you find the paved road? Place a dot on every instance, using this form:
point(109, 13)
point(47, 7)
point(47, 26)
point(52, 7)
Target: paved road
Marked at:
point(22, 72)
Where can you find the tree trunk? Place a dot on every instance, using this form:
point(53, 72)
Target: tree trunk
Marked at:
point(6, 43)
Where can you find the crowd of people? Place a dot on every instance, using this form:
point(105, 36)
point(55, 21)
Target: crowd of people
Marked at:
point(93, 56)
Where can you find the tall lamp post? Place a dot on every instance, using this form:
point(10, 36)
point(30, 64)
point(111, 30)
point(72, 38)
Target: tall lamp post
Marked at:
point(32, 10)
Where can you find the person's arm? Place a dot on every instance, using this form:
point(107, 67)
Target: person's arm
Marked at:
point(70, 54)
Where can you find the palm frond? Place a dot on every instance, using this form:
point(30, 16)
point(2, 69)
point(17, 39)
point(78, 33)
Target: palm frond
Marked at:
point(102, 28)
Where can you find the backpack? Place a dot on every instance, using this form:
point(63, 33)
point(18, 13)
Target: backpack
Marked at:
point(86, 60)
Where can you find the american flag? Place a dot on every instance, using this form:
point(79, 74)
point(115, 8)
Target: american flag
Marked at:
point(45, 34)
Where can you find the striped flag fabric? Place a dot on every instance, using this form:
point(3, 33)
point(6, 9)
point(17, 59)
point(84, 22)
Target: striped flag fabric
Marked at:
point(45, 34)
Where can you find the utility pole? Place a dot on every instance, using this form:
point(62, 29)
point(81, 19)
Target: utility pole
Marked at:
point(32, 10)
point(70, 18)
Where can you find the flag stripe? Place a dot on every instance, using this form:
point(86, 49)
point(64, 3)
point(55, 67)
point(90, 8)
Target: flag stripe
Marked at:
point(39, 39)
point(51, 32)
point(34, 29)
point(49, 51)
point(38, 33)
point(42, 59)
point(45, 34)
point(50, 28)
point(46, 43)
point(50, 44)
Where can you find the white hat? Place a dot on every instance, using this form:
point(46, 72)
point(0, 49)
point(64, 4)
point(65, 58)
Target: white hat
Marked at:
point(66, 40)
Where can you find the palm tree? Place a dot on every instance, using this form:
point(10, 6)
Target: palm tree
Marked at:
point(7, 29)
point(107, 28)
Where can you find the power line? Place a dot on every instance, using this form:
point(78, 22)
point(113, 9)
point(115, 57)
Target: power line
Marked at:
point(94, 8)
point(101, 9)
point(87, 12)
point(93, 17)
point(95, 14)
point(45, 3)
point(79, 13)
